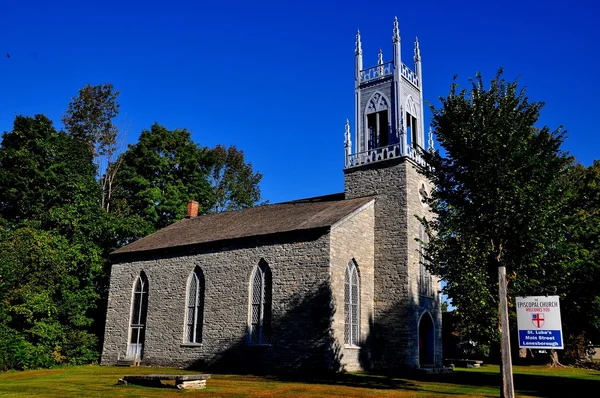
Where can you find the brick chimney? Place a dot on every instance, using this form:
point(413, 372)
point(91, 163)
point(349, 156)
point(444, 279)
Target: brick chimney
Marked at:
point(192, 209)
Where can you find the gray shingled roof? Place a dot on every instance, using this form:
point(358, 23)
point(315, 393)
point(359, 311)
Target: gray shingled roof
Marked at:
point(256, 221)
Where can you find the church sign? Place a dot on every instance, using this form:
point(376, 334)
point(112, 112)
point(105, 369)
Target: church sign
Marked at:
point(538, 320)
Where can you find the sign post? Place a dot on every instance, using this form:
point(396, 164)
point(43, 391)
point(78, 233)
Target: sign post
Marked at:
point(538, 319)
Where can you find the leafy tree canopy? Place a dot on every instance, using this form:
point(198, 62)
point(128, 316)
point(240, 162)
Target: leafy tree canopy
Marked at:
point(234, 183)
point(497, 199)
point(160, 174)
point(50, 244)
point(89, 118)
point(42, 170)
point(165, 170)
point(579, 252)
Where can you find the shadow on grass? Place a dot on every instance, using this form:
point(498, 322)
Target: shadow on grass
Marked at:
point(525, 384)
point(363, 380)
point(537, 385)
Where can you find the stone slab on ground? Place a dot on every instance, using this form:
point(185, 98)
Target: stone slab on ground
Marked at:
point(187, 381)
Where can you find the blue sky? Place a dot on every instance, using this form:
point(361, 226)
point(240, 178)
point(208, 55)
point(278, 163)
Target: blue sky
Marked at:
point(275, 79)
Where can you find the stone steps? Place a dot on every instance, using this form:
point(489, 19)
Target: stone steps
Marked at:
point(125, 362)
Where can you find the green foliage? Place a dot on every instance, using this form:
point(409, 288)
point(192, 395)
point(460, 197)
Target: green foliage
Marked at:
point(580, 256)
point(160, 175)
point(56, 231)
point(89, 118)
point(235, 185)
point(51, 293)
point(165, 170)
point(49, 245)
point(497, 201)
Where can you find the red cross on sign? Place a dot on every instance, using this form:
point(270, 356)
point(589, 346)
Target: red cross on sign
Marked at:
point(538, 320)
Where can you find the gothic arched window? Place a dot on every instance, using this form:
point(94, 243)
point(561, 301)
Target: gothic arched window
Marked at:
point(260, 305)
point(137, 322)
point(351, 305)
point(424, 275)
point(377, 121)
point(412, 125)
point(195, 307)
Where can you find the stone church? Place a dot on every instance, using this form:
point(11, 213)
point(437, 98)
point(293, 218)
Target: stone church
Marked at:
point(328, 283)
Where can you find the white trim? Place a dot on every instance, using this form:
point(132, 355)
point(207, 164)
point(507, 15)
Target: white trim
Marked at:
point(365, 124)
point(352, 266)
point(198, 307)
point(262, 267)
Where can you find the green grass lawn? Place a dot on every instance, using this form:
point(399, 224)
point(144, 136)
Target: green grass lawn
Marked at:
point(101, 381)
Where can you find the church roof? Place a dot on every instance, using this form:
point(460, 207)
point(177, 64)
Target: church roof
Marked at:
point(296, 215)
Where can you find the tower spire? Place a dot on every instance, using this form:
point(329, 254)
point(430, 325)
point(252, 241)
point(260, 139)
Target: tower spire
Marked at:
point(347, 143)
point(417, 51)
point(358, 45)
point(430, 147)
point(396, 37)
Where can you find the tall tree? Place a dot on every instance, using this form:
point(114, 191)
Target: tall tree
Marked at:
point(42, 169)
point(90, 115)
point(160, 175)
point(496, 200)
point(579, 252)
point(51, 226)
point(89, 118)
point(234, 183)
point(166, 169)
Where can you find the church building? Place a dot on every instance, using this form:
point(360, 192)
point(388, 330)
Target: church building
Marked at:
point(328, 283)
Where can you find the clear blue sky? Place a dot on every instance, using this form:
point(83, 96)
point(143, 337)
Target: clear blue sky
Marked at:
point(275, 78)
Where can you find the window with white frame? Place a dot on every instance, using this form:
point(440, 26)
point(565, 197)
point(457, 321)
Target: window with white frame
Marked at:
point(139, 310)
point(260, 305)
point(351, 305)
point(194, 307)
point(424, 275)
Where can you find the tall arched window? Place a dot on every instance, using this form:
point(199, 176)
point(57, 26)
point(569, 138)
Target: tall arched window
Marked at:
point(412, 126)
point(260, 305)
point(195, 307)
point(377, 121)
point(424, 275)
point(351, 305)
point(137, 323)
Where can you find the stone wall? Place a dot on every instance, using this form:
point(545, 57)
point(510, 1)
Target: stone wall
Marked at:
point(304, 308)
point(299, 266)
point(424, 303)
point(353, 239)
point(397, 304)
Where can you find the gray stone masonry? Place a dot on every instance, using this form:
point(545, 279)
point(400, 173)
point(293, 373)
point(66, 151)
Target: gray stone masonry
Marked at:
point(393, 337)
point(306, 312)
point(353, 239)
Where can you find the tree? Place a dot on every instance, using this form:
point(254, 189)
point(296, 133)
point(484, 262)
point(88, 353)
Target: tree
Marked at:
point(49, 297)
point(166, 169)
point(42, 169)
point(234, 183)
point(89, 118)
point(50, 234)
point(497, 201)
point(579, 253)
point(160, 175)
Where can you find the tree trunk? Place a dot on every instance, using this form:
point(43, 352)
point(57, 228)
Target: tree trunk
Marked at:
point(554, 362)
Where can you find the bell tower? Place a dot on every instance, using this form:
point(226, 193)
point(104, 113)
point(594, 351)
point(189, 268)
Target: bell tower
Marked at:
point(388, 106)
point(389, 137)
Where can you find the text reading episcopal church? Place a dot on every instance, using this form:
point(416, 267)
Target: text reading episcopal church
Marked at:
point(333, 282)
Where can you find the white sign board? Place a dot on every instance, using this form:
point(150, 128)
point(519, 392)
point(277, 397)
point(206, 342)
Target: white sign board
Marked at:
point(538, 319)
